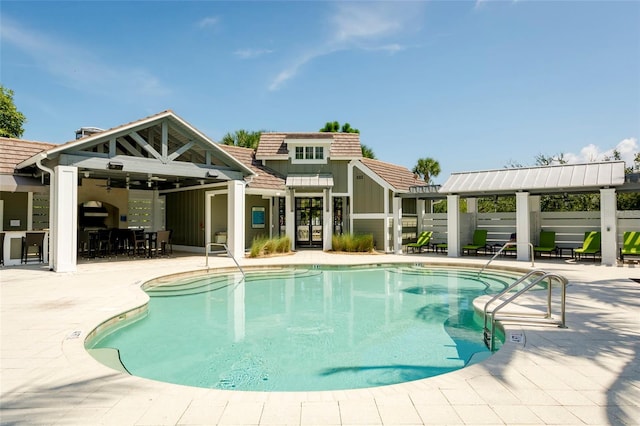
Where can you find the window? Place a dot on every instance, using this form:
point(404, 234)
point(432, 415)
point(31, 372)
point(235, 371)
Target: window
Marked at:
point(319, 152)
point(308, 155)
point(299, 152)
point(309, 151)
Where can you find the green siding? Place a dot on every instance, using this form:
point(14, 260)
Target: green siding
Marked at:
point(15, 208)
point(371, 226)
point(337, 169)
point(368, 196)
point(252, 233)
point(185, 216)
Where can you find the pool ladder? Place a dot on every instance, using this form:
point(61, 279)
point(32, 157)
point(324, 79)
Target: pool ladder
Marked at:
point(226, 249)
point(503, 299)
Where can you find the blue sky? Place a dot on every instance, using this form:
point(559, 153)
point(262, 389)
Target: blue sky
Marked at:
point(474, 84)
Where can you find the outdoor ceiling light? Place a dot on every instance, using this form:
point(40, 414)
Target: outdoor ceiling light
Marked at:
point(115, 165)
point(212, 174)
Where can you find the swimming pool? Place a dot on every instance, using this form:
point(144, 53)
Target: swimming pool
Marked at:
point(306, 328)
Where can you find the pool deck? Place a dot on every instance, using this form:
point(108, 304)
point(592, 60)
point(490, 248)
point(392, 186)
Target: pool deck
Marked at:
point(588, 373)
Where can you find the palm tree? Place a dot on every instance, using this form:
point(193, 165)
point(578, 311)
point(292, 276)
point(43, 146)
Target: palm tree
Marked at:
point(242, 138)
point(367, 152)
point(427, 168)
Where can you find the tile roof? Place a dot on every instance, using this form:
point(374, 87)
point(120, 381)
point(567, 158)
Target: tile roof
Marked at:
point(264, 177)
point(273, 145)
point(15, 151)
point(399, 177)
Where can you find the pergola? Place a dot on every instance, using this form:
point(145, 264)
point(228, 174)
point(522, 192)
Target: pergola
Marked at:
point(159, 152)
point(527, 184)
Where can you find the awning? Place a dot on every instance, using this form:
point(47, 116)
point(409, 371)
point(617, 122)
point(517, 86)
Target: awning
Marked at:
point(310, 181)
point(12, 183)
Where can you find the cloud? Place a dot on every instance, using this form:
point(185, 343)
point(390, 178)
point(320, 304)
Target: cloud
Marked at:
point(78, 67)
point(627, 148)
point(210, 21)
point(363, 26)
point(251, 53)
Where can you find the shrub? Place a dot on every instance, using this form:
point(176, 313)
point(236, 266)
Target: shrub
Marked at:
point(353, 243)
point(262, 246)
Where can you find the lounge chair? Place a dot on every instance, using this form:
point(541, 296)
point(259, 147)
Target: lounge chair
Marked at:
point(547, 243)
point(423, 240)
point(630, 244)
point(590, 245)
point(479, 242)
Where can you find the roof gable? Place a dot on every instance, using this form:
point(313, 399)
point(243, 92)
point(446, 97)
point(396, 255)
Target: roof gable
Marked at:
point(263, 178)
point(398, 177)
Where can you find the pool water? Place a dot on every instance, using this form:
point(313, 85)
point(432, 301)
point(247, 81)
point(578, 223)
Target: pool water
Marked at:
point(307, 329)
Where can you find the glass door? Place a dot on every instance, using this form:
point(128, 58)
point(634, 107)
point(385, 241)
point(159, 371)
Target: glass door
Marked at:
point(309, 222)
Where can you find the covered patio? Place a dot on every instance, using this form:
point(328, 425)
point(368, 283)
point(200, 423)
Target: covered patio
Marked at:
point(528, 185)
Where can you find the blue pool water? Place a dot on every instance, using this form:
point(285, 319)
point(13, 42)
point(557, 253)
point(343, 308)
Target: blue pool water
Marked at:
point(307, 329)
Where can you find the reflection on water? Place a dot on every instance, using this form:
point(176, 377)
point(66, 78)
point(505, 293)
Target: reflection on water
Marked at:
point(295, 330)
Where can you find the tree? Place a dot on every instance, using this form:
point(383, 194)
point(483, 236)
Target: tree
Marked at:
point(367, 152)
point(11, 120)
point(242, 138)
point(334, 127)
point(427, 168)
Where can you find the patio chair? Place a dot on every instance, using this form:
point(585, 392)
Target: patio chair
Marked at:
point(32, 245)
point(590, 245)
point(511, 249)
point(423, 240)
point(479, 242)
point(164, 242)
point(630, 244)
point(546, 243)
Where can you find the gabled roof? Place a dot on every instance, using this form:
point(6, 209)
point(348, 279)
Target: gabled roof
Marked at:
point(273, 146)
point(398, 177)
point(15, 151)
point(264, 177)
point(589, 176)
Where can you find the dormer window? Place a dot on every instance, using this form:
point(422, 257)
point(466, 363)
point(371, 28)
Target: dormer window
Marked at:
point(312, 151)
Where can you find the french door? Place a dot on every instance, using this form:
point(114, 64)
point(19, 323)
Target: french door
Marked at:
point(309, 222)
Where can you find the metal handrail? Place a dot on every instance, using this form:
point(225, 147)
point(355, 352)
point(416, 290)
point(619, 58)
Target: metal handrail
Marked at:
point(206, 253)
point(508, 244)
point(543, 276)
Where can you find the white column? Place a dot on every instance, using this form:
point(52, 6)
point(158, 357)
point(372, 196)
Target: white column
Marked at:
point(29, 211)
point(289, 205)
point(64, 224)
point(235, 218)
point(327, 220)
point(472, 205)
point(453, 225)
point(397, 225)
point(608, 226)
point(523, 225)
point(421, 206)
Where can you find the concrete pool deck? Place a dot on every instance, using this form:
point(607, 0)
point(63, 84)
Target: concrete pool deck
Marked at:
point(586, 374)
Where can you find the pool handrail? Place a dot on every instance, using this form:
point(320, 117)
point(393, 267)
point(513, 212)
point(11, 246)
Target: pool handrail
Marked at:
point(508, 244)
point(206, 254)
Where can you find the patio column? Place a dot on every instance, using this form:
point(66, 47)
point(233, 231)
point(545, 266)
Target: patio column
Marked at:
point(397, 225)
point(235, 218)
point(64, 220)
point(290, 219)
point(608, 226)
point(420, 211)
point(523, 225)
point(327, 220)
point(453, 225)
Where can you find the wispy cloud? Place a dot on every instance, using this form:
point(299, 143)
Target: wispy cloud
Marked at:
point(209, 21)
point(251, 53)
point(79, 67)
point(627, 148)
point(363, 26)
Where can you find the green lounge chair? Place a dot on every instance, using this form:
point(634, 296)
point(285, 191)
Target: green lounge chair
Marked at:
point(547, 243)
point(630, 244)
point(479, 242)
point(423, 240)
point(590, 245)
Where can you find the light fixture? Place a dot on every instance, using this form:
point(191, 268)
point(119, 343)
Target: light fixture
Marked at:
point(212, 174)
point(115, 165)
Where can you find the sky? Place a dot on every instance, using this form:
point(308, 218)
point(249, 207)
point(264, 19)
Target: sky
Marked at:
point(475, 85)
